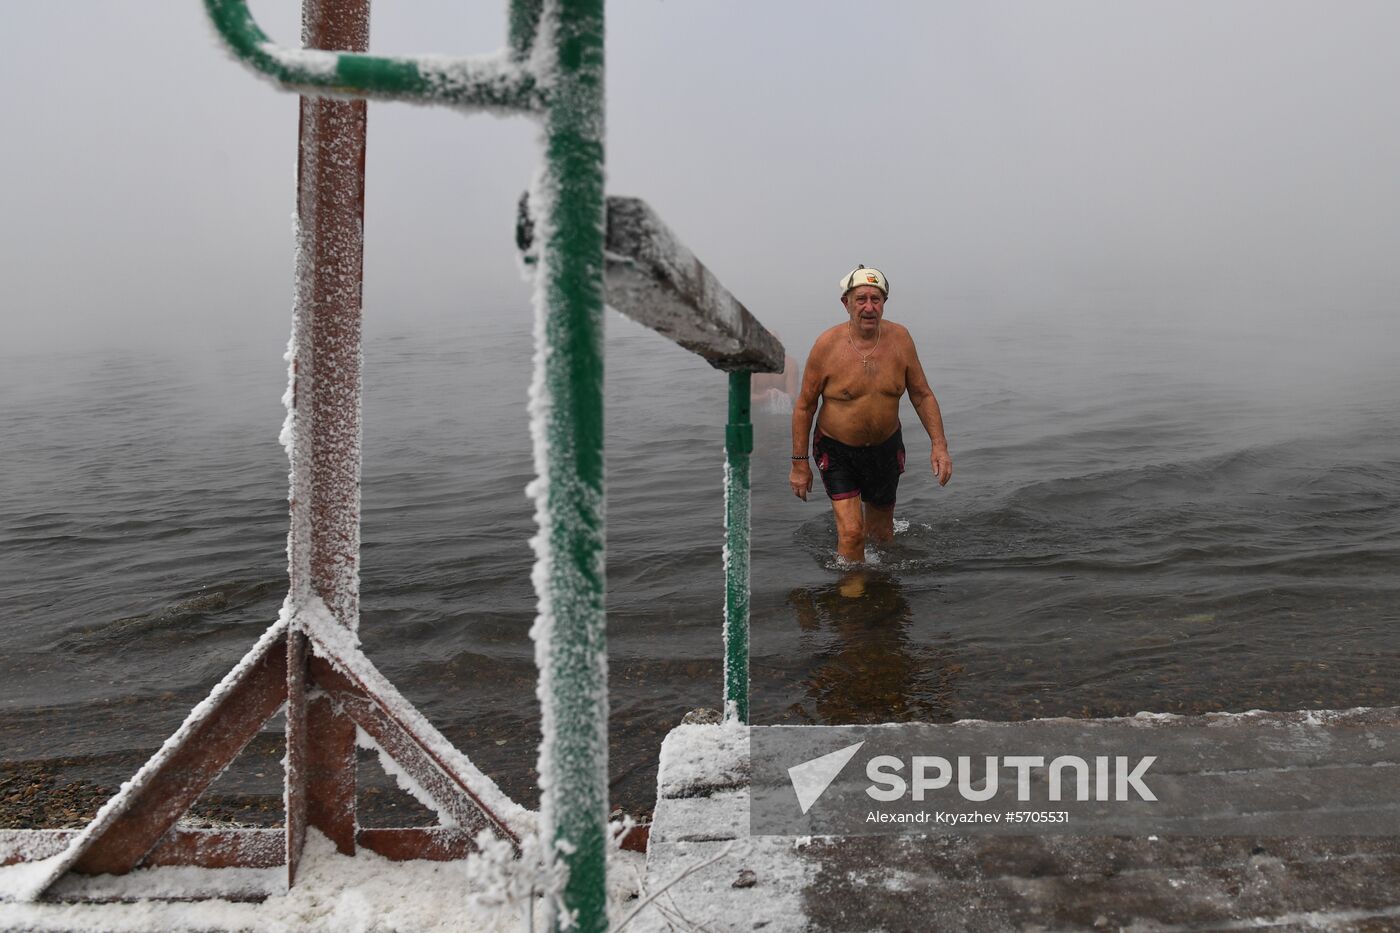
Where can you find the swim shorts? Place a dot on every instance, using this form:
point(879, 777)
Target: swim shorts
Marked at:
point(869, 472)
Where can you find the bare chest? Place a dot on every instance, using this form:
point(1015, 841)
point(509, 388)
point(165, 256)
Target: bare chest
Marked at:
point(856, 376)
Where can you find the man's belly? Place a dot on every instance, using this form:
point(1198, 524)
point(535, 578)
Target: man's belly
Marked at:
point(862, 422)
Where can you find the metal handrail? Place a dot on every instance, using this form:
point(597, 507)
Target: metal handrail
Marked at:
point(494, 82)
point(652, 278)
point(738, 447)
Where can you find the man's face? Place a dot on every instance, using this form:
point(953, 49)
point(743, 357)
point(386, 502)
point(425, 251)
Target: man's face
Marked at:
point(866, 306)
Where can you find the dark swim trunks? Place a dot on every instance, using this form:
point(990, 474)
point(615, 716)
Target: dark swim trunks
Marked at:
point(869, 472)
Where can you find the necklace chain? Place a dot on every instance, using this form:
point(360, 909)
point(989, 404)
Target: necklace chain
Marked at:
point(864, 358)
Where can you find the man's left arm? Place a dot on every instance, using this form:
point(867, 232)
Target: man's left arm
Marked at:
point(927, 408)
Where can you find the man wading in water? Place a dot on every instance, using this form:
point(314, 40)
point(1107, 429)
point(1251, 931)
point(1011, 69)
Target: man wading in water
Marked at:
point(858, 370)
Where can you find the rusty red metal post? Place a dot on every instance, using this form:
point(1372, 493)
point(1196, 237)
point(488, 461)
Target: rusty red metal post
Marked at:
point(324, 541)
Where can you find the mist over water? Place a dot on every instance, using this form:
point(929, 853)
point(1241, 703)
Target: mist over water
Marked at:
point(1143, 516)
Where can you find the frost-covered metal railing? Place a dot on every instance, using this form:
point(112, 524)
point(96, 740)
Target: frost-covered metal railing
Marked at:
point(503, 82)
point(553, 68)
point(656, 281)
point(310, 660)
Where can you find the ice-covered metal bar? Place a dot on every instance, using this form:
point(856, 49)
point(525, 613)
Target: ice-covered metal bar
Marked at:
point(657, 281)
point(501, 82)
point(738, 446)
point(323, 545)
point(524, 26)
point(654, 279)
point(566, 407)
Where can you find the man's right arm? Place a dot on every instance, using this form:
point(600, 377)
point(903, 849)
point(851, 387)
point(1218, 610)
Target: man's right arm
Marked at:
point(804, 409)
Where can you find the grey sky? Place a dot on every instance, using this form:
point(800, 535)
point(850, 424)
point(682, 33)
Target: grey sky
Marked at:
point(1223, 161)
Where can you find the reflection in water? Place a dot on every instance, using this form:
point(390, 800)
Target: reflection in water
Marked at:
point(868, 669)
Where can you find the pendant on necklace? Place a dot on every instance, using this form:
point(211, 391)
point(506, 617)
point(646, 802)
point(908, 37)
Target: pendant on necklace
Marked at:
point(864, 357)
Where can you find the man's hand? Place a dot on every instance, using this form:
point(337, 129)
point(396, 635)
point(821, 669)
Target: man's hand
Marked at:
point(800, 479)
point(942, 465)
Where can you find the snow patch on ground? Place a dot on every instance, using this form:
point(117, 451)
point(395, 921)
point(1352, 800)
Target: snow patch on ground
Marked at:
point(334, 893)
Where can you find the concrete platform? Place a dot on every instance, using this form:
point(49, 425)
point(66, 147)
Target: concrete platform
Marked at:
point(705, 871)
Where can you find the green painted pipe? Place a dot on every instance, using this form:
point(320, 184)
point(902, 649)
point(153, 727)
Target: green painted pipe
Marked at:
point(524, 24)
point(490, 82)
point(572, 651)
point(738, 446)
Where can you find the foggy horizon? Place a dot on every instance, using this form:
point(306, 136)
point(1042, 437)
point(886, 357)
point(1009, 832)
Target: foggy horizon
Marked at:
point(1227, 167)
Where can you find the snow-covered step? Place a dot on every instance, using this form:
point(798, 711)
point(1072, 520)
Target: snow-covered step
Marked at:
point(704, 870)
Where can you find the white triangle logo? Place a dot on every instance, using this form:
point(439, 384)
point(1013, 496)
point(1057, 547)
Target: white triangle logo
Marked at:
point(811, 778)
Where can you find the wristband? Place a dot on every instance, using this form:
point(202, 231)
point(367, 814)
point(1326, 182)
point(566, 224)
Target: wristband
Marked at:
point(803, 457)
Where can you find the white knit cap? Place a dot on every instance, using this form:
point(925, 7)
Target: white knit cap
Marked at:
point(863, 276)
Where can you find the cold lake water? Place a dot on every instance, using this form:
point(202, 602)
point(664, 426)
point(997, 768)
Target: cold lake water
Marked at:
point(1140, 518)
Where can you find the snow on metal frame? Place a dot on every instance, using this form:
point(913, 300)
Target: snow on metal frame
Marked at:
point(658, 281)
point(735, 637)
point(654, 279)
point(490, 81)
point(495, 83)
point(338, 645)
point(566, 409)
point(325, 414)
point(45, 872)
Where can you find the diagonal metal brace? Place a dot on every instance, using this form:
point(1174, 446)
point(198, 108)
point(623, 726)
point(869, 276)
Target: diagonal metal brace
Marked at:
point(148, 805)
point(462, 793)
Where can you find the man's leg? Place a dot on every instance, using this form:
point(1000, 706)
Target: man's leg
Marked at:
point(880, 485)
point(879, 522)
point(850, 529)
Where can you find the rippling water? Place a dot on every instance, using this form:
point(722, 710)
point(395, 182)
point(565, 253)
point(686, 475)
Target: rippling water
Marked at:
point(1139, 521)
